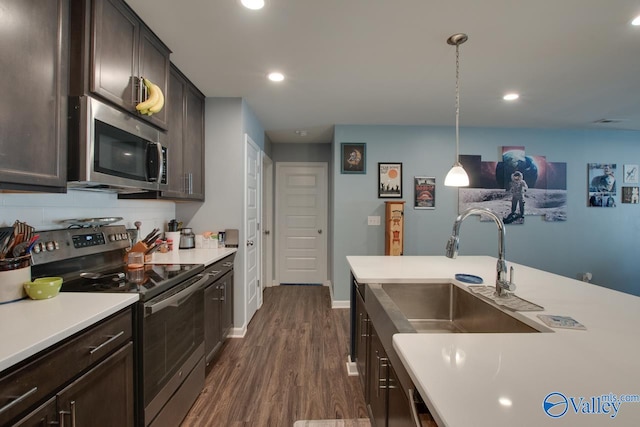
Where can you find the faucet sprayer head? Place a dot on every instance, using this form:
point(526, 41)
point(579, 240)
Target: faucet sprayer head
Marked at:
point(452, 246)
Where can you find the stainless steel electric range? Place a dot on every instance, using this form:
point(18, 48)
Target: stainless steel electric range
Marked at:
point(169, 335)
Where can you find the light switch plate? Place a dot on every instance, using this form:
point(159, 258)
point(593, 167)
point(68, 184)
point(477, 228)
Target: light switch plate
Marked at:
point(373, 220)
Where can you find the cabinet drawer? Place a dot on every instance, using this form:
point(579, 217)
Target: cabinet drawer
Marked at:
point(46, 373)
point(220, 268)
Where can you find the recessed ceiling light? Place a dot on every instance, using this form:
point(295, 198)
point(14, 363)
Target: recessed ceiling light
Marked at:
point(253, 4)
point(276, 77)
point(511, 97)
point(301, 132)
point(636, 21)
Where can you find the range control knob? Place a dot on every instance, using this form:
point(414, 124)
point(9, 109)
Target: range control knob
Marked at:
point(50, 246)
point(36, 248)
point(112, 237)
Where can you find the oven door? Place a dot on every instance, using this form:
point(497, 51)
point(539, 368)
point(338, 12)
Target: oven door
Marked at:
point(173, 341)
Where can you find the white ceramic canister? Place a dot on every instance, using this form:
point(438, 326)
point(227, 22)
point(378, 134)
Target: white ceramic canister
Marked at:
point(12, 284)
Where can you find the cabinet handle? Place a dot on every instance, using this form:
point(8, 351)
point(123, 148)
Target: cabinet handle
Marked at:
point(190, 183)
point(72, 413)
point(382, 382)
point(140, 90)
point(111, 339)
point(17, 400)
point(363, 328)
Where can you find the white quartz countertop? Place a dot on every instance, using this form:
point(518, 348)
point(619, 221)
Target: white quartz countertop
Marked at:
point(29, 326)
point(192, 256)
point(503, 379)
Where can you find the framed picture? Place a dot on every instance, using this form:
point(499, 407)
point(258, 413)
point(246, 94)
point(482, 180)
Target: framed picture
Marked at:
point(630, 174)
point(353, 157)
point(602, 185)
point(390, 180)
point(424, 192)
point(630, 195)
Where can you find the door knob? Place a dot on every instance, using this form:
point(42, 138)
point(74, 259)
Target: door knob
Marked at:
point(249, 242)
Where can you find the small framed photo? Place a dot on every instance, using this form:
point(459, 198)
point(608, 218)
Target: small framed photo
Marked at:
point(630, 195)
point(630, 174)
point(353, 157)
point(389, 180)
point(424, 192)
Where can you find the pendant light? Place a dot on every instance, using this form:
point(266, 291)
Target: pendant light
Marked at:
point(457, 177)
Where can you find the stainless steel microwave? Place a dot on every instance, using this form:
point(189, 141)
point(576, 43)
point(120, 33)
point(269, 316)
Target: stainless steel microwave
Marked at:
point(110, 150)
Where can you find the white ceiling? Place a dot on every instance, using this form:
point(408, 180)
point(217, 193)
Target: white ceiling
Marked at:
point(387, 61)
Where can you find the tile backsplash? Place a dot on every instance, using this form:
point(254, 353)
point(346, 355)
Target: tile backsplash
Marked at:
point(45, 211)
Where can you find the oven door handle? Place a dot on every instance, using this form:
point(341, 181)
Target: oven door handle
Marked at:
point(177, 299)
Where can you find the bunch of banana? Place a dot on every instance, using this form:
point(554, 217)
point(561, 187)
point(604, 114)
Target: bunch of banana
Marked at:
point(155, 100)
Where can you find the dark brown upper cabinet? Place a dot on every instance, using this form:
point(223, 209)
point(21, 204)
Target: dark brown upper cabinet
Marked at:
point(111, 49)
point(34, 87)
point(186, 139)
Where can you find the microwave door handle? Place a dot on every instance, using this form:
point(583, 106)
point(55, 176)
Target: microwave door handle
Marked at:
point(154, 159)
point(160, 163)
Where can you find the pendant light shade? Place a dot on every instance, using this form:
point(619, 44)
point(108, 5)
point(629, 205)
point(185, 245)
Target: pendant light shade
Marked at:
point(457, 176)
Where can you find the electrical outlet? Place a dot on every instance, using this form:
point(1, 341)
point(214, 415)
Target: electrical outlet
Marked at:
point(373, 220)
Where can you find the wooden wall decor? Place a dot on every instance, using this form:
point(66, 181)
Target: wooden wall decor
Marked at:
point(394, 228)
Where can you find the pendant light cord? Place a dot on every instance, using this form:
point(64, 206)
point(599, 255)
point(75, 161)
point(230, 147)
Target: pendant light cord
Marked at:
point(457, 103)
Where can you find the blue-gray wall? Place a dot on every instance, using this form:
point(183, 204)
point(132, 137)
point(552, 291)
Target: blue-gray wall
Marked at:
point(226, 122)
point(301, 153)
point(603, 241)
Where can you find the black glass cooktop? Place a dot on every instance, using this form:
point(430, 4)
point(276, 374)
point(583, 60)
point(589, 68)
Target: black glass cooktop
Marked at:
point(149, 281)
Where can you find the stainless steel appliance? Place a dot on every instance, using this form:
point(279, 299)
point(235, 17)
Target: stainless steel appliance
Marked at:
point(110, 150)
point(169, 323)
point(187, 239)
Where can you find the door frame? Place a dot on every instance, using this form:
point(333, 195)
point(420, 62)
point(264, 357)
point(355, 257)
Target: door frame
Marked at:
point(267, 222)
point(325, 225)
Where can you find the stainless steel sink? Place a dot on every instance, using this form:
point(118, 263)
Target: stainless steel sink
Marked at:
point(447, 308)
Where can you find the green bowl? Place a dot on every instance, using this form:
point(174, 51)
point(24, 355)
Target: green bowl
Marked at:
point(43, 288)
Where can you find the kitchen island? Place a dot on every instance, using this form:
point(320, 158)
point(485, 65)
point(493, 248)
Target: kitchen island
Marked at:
point(504, 379)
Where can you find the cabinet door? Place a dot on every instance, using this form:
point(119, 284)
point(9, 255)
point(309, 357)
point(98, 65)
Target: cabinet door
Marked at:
point(34, 86)
point(175, 110)
point(226, 303)
point(399, 409)
point(104, 395)
point(193, 146)
point(45, 415)
point(154, 65)
point(362, 343)
point(212, 326)
point(115, 51)
point(378, 377)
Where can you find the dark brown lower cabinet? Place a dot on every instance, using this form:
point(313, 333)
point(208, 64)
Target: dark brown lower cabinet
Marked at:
point(85, 381)
point(378, 377)
point(103, 396)
point(45, 415)
point(218, 306)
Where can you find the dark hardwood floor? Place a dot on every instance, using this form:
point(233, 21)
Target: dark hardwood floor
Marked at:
point(290, 366)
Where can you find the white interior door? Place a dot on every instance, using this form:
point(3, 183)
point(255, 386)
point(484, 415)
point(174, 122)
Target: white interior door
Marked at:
point(252, 235)
point(301, 217)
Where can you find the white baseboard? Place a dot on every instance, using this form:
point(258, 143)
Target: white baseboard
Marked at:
point(237, 332)
point(352, 368)
point(340, 304)
point(337, 303)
